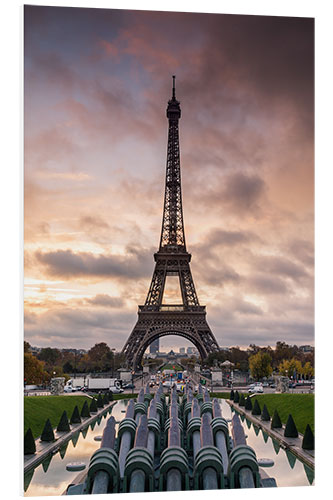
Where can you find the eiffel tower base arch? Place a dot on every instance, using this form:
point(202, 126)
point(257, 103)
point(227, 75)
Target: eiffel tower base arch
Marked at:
point(189, 323)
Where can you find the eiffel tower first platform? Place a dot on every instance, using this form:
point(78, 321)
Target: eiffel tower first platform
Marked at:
point(156, 319)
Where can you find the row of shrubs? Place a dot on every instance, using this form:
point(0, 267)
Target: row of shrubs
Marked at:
point(290, 429)
point(64, 424)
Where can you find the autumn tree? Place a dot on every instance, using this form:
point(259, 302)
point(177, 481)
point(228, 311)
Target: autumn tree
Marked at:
point(308, 370)
point(260, 365)
point(34, 372)
point(289, 367)
point(51, 356)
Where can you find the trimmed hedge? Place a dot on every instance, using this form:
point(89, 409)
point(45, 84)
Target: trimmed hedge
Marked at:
point(75, 418)
point(29, 443)
point(308, 439)
point(256, 408)
point(290, 429)
point(236, 398)
point(276, 421)
point(85, 413)
point(242, 400)
point(265, 416)
point(47, 434)
point(99, 401)
point(248, 403)
point(63, 425)
point(93, 406)
point(232, 394)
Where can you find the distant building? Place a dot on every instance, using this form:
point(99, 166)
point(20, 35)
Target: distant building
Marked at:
point(35, 350)
point(191, 350)
point(154, 346)
point(306, 348)
point(182, 350)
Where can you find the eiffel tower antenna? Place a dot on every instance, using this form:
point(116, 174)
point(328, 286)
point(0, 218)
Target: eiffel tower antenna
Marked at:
point(156, 319)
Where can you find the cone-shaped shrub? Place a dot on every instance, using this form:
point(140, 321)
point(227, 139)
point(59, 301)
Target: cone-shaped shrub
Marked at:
point(106, 399)
point(248, 403)
point(232, 394)
point(100, 401)
point(276, 421)
point(242, 400)
point(291, 429)
point(256, 408)
point(75, 418)
point(111, 396)
point(93, 406)
point(47, 434)
point(236, 398)
point(85, 410)
point(63, 425)
point(265, 416)
point(29, 443)
point(308, 439)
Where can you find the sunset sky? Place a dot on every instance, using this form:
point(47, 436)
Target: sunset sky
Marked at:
point(97, 84)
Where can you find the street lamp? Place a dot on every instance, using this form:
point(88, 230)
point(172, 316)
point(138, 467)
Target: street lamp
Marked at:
point(133, 372)
point(113, 349)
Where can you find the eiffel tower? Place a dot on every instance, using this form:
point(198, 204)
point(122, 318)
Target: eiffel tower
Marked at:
point(156, 319)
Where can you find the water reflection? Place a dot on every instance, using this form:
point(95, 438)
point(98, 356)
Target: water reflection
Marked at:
point(63, 449)
point(309, 473)
point(291, 458)
point(46, 463)
point(75, 438)
point(27, 479)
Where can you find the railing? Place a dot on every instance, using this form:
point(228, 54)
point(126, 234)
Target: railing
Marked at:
point(172, 308)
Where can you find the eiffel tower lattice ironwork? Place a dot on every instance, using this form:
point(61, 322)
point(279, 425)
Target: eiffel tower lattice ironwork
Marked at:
point(156, 319)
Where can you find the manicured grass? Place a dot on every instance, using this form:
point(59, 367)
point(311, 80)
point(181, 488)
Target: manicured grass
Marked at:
point(37, 409)
point(128, 395)
point(300, 406)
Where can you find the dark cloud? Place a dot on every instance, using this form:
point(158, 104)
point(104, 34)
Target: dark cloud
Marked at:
point(221, 237)
point(105, 300)
point(218, 275)
point(243, 192)
point(266, 285)
point(279, 266)
point(59, 328)
point(67, 264)
point(303, 251)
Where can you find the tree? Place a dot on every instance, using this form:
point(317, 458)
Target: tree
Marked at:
point(260, 365)
point(308, 370)
point(34, 372)
point(289, 367)
point(26, 346)
point(50, 356)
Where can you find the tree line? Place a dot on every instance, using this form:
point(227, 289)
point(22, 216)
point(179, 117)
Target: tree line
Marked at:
point(285, 359)
point(52, 362)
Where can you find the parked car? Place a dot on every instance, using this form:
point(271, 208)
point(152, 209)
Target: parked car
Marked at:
point(256, 389)
point(115, 390)
point(129, 386)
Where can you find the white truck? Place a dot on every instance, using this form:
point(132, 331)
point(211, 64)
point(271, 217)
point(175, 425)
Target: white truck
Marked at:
point(74, 384)
point(103, 384)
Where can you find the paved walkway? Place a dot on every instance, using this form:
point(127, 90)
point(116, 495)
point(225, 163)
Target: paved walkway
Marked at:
point(293, 444)
point(45, 448)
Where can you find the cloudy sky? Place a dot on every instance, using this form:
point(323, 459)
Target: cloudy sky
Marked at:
point(97, 84)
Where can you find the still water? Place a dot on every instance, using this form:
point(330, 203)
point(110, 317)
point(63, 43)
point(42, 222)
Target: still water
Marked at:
point(51, 477)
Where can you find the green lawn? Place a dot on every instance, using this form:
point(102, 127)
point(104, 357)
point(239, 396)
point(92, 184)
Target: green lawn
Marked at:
point(301, 406)
point(37, 409)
